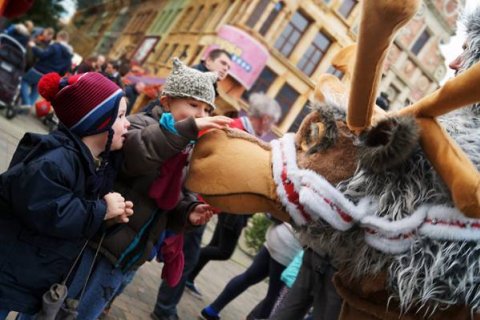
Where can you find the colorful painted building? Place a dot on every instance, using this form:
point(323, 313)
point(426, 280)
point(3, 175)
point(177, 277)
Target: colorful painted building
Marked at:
point(280, 47)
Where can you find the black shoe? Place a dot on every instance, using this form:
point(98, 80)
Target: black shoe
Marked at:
point(193, 289)
point(206, 316)
point(170, 317)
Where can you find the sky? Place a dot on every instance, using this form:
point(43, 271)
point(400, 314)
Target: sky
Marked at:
point(454, 47)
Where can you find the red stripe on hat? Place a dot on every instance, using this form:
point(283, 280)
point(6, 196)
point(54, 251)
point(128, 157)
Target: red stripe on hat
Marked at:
point(104, 124)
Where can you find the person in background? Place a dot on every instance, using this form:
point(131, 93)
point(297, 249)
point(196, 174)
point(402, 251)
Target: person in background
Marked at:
point(100, 62)
point(57, 57)
point(288, 277)
point(42, 40)
point(111, 72)
point(21, 32)
point(132, 91)
point(263, 113)
point(278, 251)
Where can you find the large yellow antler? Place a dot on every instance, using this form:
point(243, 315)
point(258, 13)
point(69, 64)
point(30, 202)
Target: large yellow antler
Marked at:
point(451, 163)
point(378, 26)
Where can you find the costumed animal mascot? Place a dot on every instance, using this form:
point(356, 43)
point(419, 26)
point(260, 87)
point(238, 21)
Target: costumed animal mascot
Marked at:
point(393, 198)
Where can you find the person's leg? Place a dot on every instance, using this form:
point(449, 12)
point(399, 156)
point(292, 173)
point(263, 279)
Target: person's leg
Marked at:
point(280, 299)
point(34, 86)
point(226, 242)
point(168, 297)
point(102, 285)
point(4, 314)
point(127, 279)
point(326, 301)
point(255, 273)
point(274, 286)
point(25, 88)
point(298, 299)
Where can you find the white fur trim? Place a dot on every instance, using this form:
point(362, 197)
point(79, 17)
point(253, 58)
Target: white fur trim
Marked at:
point(446, 223)
point(277, 167)
point(321, 200)
point(388, 245)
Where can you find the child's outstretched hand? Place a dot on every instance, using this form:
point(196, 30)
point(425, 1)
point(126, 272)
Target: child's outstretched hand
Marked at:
point(117, 208)
point(217, 122)
point(201, 214)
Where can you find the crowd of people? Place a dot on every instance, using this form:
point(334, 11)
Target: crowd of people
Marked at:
point(47, 51)
point(88, 204)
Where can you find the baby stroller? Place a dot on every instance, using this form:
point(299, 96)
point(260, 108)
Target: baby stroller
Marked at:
point(12, 68)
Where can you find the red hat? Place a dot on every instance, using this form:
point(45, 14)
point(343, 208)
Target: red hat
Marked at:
point(87, 103)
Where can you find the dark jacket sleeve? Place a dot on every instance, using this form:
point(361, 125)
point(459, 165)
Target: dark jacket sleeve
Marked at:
point(178, 217)
point(48, 204)
point(43, 53)
point(148, 145)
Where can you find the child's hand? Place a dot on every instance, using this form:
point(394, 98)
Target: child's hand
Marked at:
point(201, 214)
point(217, 122)
point(123, 218)
point(117, 207)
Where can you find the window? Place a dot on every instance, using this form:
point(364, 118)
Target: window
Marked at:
point(169, 53)
point(337, 73)
point(292, 34)
point(159, 22)
point(314, 54)
point(286, 97)
point(120, 22)
point(185, 18)
point(161, 50)
point(271, 18)
point(257, 13)
point(197, 53)
point(210, 14)
point(194, 18)
point(300, 116)
point(347, 7)
point(264, 81)
point(421, 41)
point(184, 53)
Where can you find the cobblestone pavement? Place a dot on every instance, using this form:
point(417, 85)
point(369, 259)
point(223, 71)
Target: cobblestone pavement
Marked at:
point(137, 302)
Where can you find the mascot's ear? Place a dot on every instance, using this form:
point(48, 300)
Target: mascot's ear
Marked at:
point(310, 133)
point(389, 143)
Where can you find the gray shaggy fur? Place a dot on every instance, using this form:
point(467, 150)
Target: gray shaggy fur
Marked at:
point(388, 144)
point(433, 274)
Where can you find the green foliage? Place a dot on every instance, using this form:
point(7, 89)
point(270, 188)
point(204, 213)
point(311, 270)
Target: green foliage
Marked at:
point(255, 231)
point(45, 13)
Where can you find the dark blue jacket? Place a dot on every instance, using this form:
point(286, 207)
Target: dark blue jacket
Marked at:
point(50, 203)
point(55, 58)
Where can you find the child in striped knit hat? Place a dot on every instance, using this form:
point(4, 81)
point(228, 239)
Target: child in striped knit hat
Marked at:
point(55, 194)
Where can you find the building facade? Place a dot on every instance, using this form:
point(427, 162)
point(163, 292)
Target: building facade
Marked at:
point(278, 47)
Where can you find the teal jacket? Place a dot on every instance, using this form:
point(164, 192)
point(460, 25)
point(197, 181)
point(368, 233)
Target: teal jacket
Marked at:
point(290, 273)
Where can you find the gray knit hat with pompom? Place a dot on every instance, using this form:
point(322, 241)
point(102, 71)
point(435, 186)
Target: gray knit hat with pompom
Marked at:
point(185, 82)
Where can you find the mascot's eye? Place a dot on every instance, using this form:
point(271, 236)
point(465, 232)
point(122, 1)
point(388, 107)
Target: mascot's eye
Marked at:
point(314, 136)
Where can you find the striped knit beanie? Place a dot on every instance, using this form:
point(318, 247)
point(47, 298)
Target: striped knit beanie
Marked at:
point(87, 103)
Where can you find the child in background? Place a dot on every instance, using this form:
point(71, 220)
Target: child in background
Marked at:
point(288, 278)
point(54, 195)
point(156, 151)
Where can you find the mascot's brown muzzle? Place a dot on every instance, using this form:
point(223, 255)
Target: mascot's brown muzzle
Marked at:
point(214, 173)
